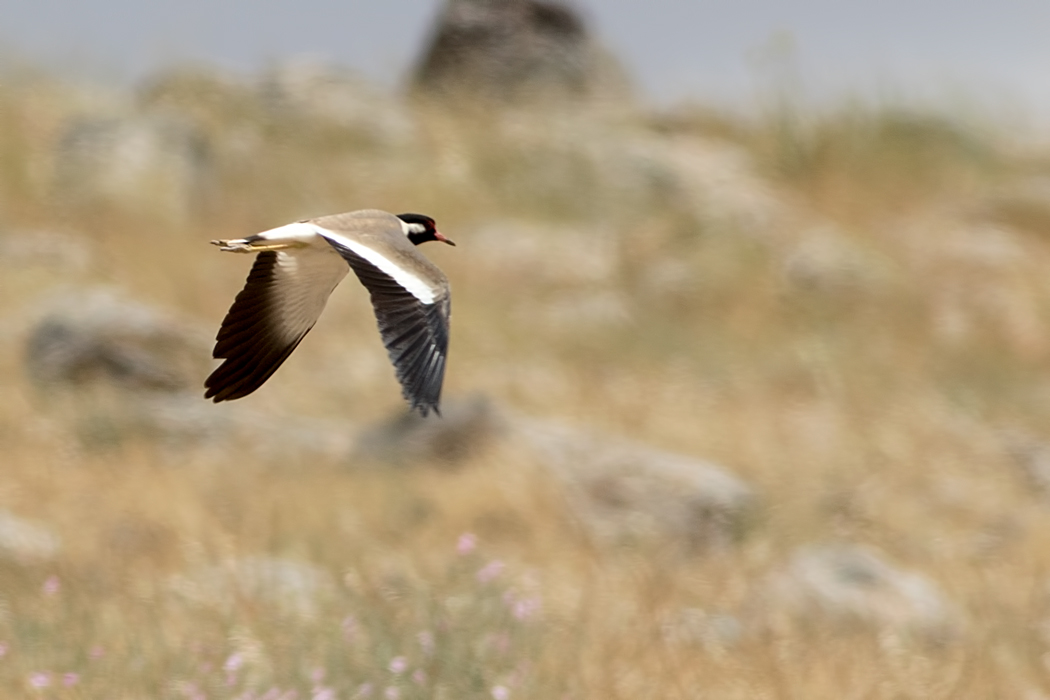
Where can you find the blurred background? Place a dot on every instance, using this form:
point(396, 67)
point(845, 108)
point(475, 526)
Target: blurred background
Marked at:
point(747, 393)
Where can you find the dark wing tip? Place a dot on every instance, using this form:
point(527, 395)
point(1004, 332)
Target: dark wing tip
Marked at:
point(415, 333)
point(422, 404)
point(247, 368)
point(418, 352)
point(425, 409)
point(219, 390)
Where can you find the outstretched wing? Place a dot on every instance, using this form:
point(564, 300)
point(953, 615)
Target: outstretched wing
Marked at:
point(413, 312)
point(281, 301)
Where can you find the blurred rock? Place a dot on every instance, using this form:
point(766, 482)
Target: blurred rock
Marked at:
point(849, 585)
point(89, 336)
point(464, 427)
point(26, 542)
point(122, 368)
point(292, 587)
point(982, 246)
point(158, 164)
point(622, 490)
point(826, 260)
point(718, 182)
point(137, 538)
point(549, 253)
point(310, 89)
point(581, 312)
point(1032, 457)
point(202, 94)
point(514, 49)
point(1023, 205)
point(695, 627)
point(618, 170)
point(182, 420)
point(46, 249)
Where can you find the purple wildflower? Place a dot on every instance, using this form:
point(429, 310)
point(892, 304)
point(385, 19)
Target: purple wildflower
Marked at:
point(524, 608)
point(500, 692)
point(193, 692)
point(398, 664)
point(491, 571)
point(52, 585)
point(233, 663)
point(40, 679)
point(70, 679)
point(364, 691)
point(419, 676)
point(466, 543)
point(392, 693)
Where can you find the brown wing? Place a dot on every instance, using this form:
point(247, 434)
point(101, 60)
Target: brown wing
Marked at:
point(281, 301)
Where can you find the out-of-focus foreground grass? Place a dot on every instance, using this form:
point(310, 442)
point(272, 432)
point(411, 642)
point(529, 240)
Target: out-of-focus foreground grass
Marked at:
point(849, 310)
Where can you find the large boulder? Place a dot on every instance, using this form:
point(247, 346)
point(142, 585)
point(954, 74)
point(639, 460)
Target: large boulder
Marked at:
point(157, 164)
point(323, 94)
point(24, 541)
point(622, 491)
point(850, 586)
point(67, 253)
point(464, 427)
point(119, 367)
point(89, 336)
point(512, 49)
point(291, 587)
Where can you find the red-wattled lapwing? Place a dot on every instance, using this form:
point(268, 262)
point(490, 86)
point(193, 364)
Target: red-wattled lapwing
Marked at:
point(295, 271)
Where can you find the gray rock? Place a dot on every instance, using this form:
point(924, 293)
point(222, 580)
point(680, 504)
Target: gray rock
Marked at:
point(306, 88)
point(197, 93)
point(714, 180)
point(549, 254)
point(599, 162)
point(827, 260)
point(292, 587)
point(510, 49)
point(185, 419)
point(464, 427)
point(843, 586)
point(154, 163)
point(116, 368)
point(622, 490)
point(88, 336)
point(695, 627)
point(45, 249)
point(182, 420)
point(1032, 457)
point(24, 541)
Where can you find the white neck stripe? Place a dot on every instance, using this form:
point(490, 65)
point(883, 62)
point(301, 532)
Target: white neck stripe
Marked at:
point(412, 228)
point(415, 285)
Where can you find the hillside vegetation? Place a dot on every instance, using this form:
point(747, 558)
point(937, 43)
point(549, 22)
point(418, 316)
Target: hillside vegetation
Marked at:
point(848, 310)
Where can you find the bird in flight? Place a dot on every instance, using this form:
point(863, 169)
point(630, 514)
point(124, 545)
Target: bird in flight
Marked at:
point(296, 268)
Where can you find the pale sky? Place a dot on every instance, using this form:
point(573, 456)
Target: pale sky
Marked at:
point(718, 50)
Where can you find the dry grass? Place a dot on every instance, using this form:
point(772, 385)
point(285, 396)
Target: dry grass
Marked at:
point(871, 399)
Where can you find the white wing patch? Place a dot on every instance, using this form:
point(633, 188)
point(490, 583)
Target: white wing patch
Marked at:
point(299, 232)
point(416, 286)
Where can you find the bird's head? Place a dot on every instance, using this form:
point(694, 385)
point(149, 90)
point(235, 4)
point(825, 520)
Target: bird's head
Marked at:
point(420, 229)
